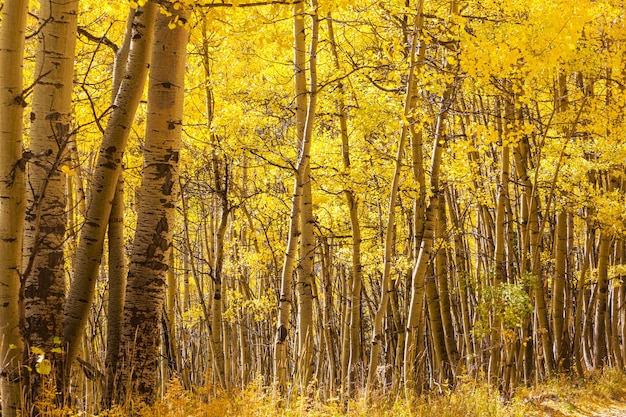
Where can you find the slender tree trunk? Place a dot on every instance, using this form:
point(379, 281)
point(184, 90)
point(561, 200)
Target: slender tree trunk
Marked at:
point(329, 324)
point(216, 301)
point(442, 272)
point(387, 284)
point(440, 360)
point(116, 245)
point(305, 275)
point(558, 289)
point(12, 197)
point(117, 289)
point(463, 278)
point(500, 275)
point(286, 287)
point(104, 184)
point(599, 331)
point(354, 359)
point(305, 116)
point(418, 278)
point(152, 245)
point(558, 292)
point(171, 356)
point(44, 229)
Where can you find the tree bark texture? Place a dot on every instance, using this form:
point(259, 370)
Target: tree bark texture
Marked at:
point(12, 200)
point(150, 258)
point(104, 182)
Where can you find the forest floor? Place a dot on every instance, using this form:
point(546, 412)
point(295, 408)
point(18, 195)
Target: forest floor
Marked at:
point(555, 406)
point(599, 395)
point(595, 398)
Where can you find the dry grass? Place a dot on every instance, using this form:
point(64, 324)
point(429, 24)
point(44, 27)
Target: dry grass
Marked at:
point(602, 394)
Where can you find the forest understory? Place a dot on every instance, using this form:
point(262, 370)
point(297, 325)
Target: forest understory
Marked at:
point(601, 394)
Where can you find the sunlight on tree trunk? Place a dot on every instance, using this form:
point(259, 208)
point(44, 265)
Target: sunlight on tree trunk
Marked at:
point(44, 235)
point(115, 233)
point(12, 200)
point(150, 258)
point(387, 284)
point(89, 251)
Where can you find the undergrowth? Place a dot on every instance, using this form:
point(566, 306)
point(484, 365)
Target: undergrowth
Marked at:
point(561, 396)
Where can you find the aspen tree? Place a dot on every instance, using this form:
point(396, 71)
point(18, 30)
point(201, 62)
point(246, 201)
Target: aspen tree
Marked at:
point(351, 360)
point(305, 276)
point(419, 176)
point(617, 313)
point(115, 231)
point(44, 229)
point(104, 183)
point(462, 263)
point(386, 282)
point(536, 231)
point(286, 288)
point(500, 275)
point(558, 290)
point(558, 293)
point(221, 188)
point(419, 286)
point(150, 258)
point(463, 276)
point(442, 272)
point(440, 359)
point(613, 319)
point(12, 200)
point(303, 113)
point(600, 341)
point(326, 321)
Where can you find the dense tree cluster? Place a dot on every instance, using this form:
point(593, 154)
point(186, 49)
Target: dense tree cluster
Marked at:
point(324, 196)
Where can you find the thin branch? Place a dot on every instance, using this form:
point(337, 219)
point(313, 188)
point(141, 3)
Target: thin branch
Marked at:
point(98, 39)
point(253, 4)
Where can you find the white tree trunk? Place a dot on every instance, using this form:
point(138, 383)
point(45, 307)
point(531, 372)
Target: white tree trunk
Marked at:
point(12, 196)
point(46, 217)
point(104, 183)
point(150, 258)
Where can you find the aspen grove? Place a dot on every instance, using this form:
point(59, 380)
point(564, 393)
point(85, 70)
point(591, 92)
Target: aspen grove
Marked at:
point(322, 197)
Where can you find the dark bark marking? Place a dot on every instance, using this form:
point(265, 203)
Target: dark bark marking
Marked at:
point(282, 333)
point(20, 101)
point(162, 225)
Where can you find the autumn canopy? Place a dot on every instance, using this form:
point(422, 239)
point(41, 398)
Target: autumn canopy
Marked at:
point(320, 196)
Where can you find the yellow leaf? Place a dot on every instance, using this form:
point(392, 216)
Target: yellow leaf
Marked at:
point(37, 351)
point(43, 367)
point(67, 170)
